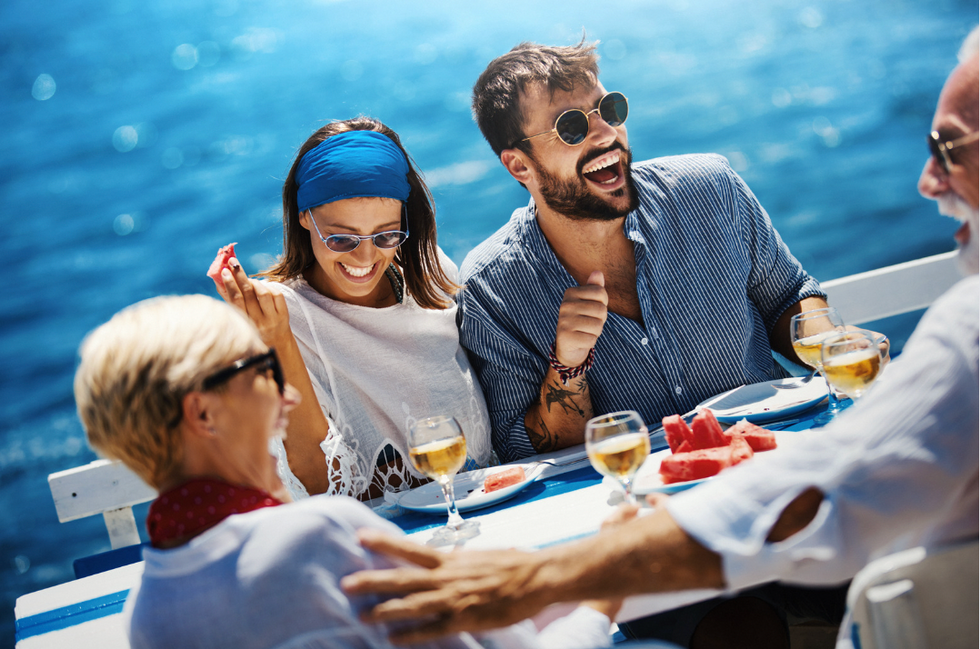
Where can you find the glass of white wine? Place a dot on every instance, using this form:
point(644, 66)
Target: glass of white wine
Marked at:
point(851, 361)
point(808, 330)
point(617, 444)
point(437, 448)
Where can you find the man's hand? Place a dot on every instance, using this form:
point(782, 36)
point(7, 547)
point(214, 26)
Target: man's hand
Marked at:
point(450, 592)
point(581, 317)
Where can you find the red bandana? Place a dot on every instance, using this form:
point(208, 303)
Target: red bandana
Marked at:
point(198, 505)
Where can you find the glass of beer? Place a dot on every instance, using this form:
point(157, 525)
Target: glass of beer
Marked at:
point(808, 330)
point(617, 444)
point(437, 448)
point(851, 361)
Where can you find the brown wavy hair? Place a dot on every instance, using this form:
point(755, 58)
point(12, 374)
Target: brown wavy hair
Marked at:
point(497, 93)
point(425, 279)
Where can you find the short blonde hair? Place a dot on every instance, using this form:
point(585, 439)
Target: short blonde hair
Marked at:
point(136, 369)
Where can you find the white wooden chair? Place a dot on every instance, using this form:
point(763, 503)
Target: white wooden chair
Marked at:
point(917, 600)
point(892, 290)
point(102, 487)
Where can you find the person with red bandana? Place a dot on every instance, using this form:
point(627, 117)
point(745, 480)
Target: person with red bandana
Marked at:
point(183, 391)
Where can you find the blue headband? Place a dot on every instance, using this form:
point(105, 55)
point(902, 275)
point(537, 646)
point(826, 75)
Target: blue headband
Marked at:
point(350, 165)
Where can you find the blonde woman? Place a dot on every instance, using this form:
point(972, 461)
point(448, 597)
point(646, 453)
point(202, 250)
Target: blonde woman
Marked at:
point(185, 393)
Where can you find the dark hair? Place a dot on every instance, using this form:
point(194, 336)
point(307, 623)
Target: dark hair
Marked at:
point(425, 280)
point(497, 93)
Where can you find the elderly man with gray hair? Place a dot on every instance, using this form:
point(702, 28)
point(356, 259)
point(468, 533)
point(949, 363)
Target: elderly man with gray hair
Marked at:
point(899, 470)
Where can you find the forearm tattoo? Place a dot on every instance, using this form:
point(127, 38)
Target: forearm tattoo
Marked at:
point(573, 400)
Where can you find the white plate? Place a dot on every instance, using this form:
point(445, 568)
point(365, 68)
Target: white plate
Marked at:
point(648, 480)
point(468, 488)
point(764, 402)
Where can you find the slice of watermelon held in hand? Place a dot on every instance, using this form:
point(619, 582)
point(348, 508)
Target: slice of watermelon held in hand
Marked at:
point(220, 263)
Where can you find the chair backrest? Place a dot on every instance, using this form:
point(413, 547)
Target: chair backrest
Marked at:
point(915, 599)
point(892, 290)
point(104, 487)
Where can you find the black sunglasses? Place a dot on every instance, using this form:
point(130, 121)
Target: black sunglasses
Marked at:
point(264, 362)
point(572, 126)
point(940, 149)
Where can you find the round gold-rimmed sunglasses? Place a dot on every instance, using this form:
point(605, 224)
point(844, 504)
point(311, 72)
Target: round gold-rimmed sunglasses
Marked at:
point(940, 148)
point(572, 126)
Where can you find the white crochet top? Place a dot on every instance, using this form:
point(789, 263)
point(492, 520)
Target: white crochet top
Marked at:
point(377, 371)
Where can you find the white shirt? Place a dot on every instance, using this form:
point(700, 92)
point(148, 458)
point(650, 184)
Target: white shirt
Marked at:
point(377, 371)
point(898, 470)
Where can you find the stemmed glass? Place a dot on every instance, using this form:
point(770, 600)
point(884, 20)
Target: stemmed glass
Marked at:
point(618, 444)
point(808, 331)
point(437, 448)
point(851, 361)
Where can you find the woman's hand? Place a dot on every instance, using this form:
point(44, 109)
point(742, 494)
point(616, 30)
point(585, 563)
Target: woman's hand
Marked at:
point(265, 306)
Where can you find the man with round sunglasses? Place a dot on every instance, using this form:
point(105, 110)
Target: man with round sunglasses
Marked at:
point(647, 286)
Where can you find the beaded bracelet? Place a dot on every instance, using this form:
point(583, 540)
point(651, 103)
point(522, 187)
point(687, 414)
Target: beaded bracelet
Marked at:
point(566, 373)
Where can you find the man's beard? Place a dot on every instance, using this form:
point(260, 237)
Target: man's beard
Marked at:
point(572, 198)
point(968, 260)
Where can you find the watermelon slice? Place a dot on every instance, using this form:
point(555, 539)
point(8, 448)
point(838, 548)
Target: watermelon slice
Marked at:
point(707, 431)
point(220, 263)
point(757, 437)
point(741, 449)
point(676, 432)
point(695, 465)
point(705, 449)
point(504, 478)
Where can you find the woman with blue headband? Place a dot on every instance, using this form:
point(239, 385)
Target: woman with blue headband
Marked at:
point(360, 309)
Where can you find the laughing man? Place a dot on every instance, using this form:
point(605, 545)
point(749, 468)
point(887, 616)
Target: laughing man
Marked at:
point(646, 286)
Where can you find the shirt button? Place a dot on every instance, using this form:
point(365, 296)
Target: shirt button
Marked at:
point(643, 341)
point(678, 390)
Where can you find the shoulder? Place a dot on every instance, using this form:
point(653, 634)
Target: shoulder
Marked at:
point(321, 526)
point(955, 315)
point(501, 248)
point(705, 165)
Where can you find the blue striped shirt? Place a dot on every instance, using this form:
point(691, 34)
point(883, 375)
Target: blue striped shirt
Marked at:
point(713, 276)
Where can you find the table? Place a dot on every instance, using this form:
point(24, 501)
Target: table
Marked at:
point(85, 613)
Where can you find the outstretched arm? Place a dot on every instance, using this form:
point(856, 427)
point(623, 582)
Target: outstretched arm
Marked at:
point(474, 591)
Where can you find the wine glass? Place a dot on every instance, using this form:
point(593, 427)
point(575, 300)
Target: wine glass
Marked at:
point(808, 331)
point(851, 361)
point(617, 445)
point(437, 448)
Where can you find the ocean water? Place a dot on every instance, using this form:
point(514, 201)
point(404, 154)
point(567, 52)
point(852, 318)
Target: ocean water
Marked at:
point(138, 137)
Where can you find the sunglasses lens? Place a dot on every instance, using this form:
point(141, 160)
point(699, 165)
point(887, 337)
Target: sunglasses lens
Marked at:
point(614, 108)
point(391, 239)
point(572, 127)
point(937, 153)
point(342, 242)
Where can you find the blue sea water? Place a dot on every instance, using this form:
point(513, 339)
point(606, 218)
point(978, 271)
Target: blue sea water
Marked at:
point(138, 137)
